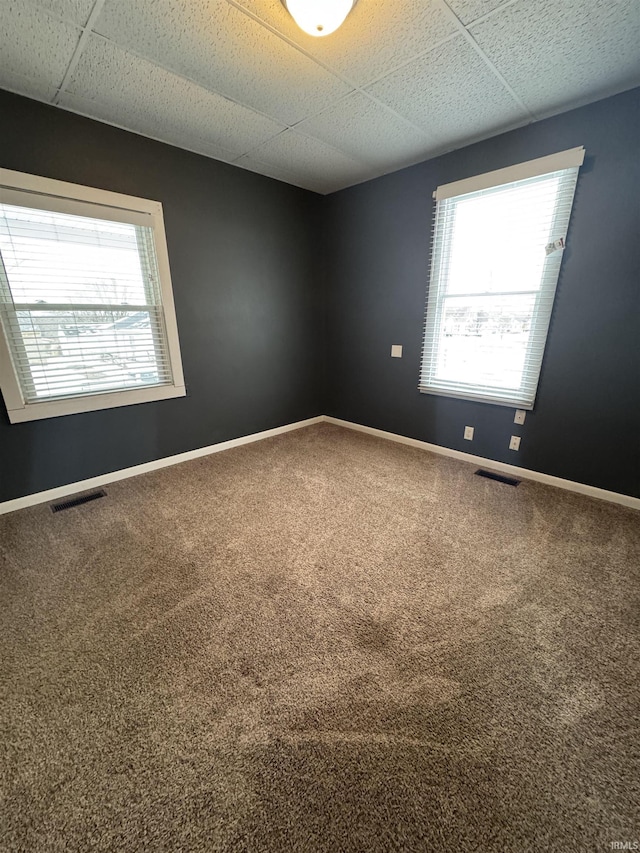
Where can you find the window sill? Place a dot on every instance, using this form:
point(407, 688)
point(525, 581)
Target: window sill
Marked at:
point(93, 402)
point(511, 403)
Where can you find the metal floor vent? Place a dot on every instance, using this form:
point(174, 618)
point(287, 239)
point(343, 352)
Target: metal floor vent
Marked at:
point(491, 475)
point(81, 499)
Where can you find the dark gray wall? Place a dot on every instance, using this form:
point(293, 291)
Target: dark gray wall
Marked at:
point(257, 346)
point(586, 422)
point(247, 291)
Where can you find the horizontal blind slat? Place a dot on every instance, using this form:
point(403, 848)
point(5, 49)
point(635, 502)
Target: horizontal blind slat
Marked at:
point(492, 286)
point(80, 301)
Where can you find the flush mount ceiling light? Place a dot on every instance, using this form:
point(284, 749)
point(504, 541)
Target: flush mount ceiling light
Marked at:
point(319, 17)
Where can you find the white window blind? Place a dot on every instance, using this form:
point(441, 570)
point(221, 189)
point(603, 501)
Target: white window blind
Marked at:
point(496, 251)
point(81, 305)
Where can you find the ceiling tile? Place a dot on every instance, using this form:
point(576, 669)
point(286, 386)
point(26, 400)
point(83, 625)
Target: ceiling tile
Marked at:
point(74, 11)
point(451, 93)
point(220, 47)
point(310, 160)
point(367, 130)
point(377, 36)
point(215, 77)
point(143, 94)
point(253, 165)
point(34, 45)
point(27, 86)
point(554, 53)
point(471, 10)
point(147, 125)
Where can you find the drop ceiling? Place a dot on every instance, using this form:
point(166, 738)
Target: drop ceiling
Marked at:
point(401, 81)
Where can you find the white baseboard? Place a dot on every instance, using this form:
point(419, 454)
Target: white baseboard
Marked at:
point(502, 467)
point(103, 479)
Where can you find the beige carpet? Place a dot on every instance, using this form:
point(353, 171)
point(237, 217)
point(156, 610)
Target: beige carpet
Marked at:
point(320, 642)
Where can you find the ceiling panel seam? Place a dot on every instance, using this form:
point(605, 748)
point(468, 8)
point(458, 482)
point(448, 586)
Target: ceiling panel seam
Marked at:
point(411, 161)
point(444, 149)
point(179, 76)
point(341, 129)
point(250, 151)
point(328, 145)
point(356, 86)
point(422, 132)
point(474, 44)
point(95, 12)
point(460, 31)
point(482, 18)
point(82, 41)
point(357, 158)
point(285, 125)
point(59, 17)
point(59, 20)
point(287, 40)
point(181, 146)
point(93, 17)
point(453, 37)
point(242, 152)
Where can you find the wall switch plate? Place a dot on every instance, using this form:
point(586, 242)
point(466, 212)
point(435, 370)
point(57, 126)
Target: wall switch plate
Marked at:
point(519, 417)
point(468, 433)
point(396, 351)
point(514, 444)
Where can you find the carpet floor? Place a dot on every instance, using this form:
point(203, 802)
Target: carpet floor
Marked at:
point(320, 642)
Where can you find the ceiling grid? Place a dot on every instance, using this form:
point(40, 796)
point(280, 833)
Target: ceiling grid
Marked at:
point(398, 83)
point(474, 44)
point(86, 31)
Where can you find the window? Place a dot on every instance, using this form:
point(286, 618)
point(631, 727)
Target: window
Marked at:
point(497, 246)
point(86, 306)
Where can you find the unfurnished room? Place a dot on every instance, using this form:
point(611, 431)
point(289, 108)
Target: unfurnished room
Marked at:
point(319, 426)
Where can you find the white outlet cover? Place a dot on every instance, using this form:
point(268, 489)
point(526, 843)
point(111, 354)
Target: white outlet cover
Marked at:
point(519, 416)
point(468, 433)
point(514, 444)
point(396, 351)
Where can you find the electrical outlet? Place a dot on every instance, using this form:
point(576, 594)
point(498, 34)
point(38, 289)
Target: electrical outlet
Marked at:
point(396, 351)
point(468, 433)
point(514, 444)
point(519, 417)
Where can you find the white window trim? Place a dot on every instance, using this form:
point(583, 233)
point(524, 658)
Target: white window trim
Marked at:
point(571, 158)
point(71, 198)
point(518, 172)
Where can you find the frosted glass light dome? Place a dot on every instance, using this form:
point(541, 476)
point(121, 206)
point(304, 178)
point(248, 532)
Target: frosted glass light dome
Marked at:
point(319, 17)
